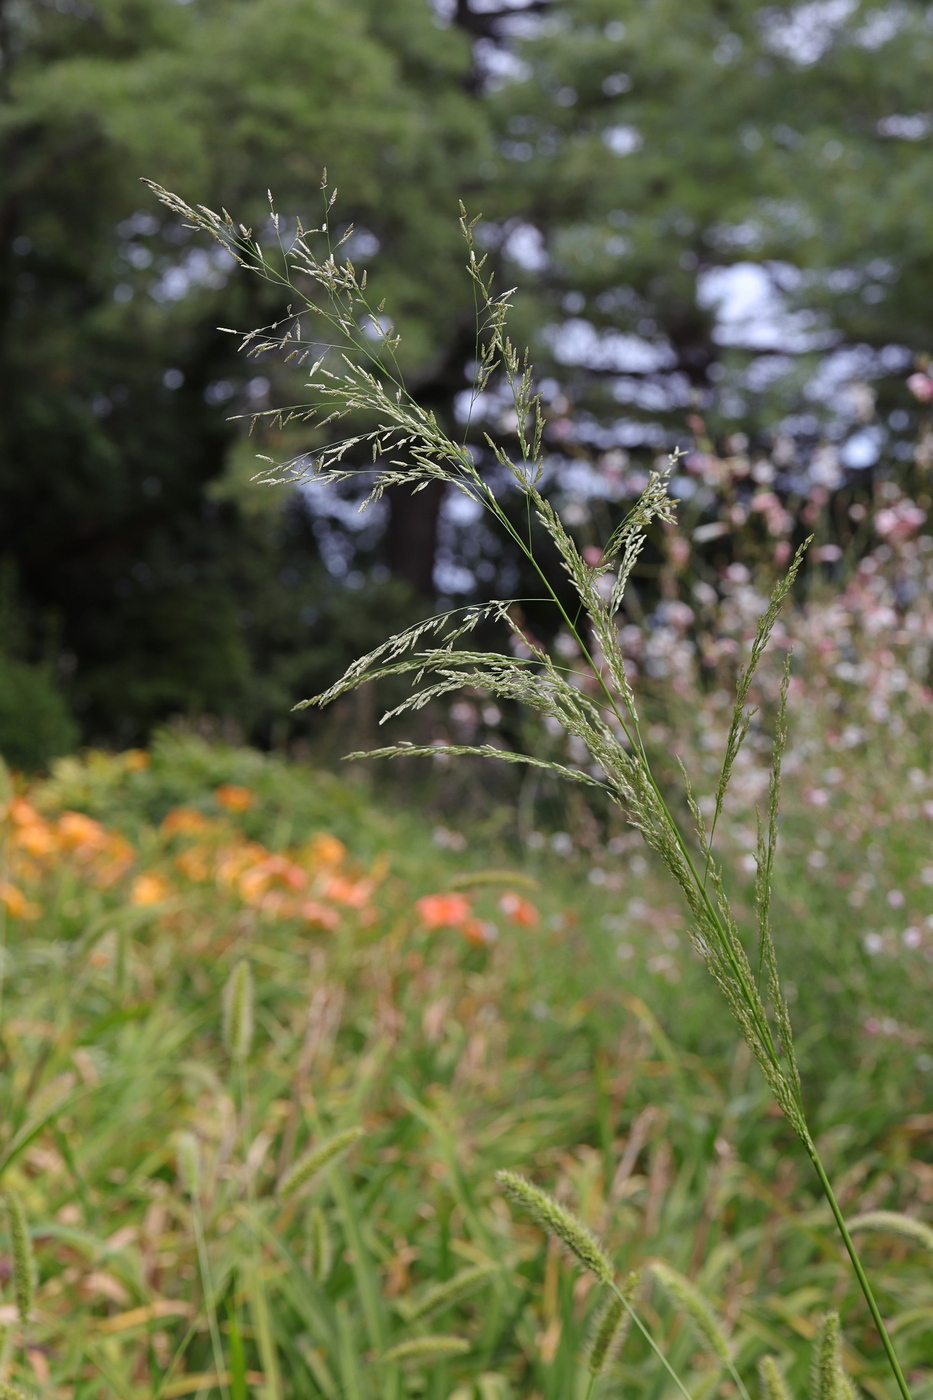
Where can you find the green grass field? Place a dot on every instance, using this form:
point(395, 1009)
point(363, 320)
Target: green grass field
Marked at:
point(471, 1005)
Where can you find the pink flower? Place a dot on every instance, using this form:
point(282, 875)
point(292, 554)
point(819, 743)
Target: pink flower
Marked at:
point(921, 386)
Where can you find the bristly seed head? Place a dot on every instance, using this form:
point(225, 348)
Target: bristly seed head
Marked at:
point(681, 1290)
point(24, 1267)
point(559, 1222)
point(427, 1349)
point(188, 1158)
point(238, 1012)
point(611, 1327)
point(304, 1171)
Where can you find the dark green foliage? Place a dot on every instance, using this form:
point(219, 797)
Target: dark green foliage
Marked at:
point(34, 721)
point(115, 449)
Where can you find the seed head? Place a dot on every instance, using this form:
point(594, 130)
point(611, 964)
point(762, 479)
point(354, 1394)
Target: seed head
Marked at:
point(24, 1268)
point(238, 1011)
point(680, 1290)
point(427, 1349)
point(188, 1158)
point(314, 1162)
point(559, 1222)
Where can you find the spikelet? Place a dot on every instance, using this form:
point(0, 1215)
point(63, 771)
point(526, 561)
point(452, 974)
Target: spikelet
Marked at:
point(681, 1291)
point(309, 1166)
point(611, 1327)
point(427, 1349)
point(557, 1221)
point(442, 1295)
point(24, 1268)
point(238, 1012)
point(773, 1384)
point(188, 1158)
point(891, 1222)
point(827, 1378)
point(320, 1246)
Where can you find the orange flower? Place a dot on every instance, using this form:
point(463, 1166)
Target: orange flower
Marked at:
point(184, 821)
point(83, 834)
point(279, 869)
point(324, 849)
point(235, 799)
point(150, 888)
point(17, 905)
point(443, 910)
point(518, 910)
point(352, 893)
point(233, 860)
point(37, 837)
point(193, 864)
point(136, 760)
point(319, 915)
point(479, 931)
point(22, 813)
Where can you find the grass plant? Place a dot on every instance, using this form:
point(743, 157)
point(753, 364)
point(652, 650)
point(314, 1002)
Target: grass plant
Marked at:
point(358, 381)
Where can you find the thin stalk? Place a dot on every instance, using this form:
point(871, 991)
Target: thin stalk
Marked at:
point(860, 1274)
point(209, 1297)
point(652, 1343)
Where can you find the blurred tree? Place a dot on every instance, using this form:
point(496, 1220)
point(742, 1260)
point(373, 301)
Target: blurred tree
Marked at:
point(121, 497)
point(715, 215)
point(719, 207)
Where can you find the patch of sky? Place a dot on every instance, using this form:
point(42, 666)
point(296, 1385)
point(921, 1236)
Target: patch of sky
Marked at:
point(198, 269)
point(578, 342)
point(751, 313)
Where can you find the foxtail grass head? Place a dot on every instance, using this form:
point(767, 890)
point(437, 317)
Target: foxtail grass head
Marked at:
point(24, 1267)
point(560, 1223)
point(302, 1176)
point(238, 1012)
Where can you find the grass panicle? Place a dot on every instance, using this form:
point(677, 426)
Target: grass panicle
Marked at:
point(302, 1175)
point(238, 1012)
point(559, 1222)
point(188, 1158)
point(691, 1301)
point(443, 1295)
point(12, 1392)
point(611, 1327)
point(828, 1380)
point(368, 422)
point(433, 1348)
point(892, 1222)
point(24, 1264)
point(773, 1384)
point(320, 1246)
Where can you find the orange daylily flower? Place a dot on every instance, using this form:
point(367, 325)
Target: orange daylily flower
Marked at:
point(479, 931)
point(150, 888)
point(443, 910)
point(234, 798)
point(254, 882)
point(17, 905)
point(324, 849)
point(518, 910)
point(233, 860)
point(82, 833)
point(352, 893)
point(319, 915)
point(193, 864)
point(184, 821)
